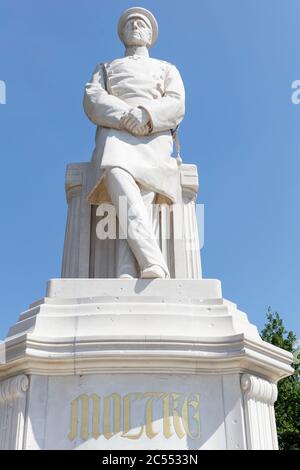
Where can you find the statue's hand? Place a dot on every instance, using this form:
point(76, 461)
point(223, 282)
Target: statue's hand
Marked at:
point(136, 121)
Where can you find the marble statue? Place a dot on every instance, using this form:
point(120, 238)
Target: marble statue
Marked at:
point(136, 102)
point(139, 364)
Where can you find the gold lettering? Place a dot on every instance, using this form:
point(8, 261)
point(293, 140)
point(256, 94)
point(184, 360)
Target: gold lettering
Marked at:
point(176, 417)
point(127, 416)
point(116, 415)
point(74, 420)
point(84, 429)
point(96, 415)
point(196, 416)
point(166, 417)
point(85, 417)
point(149, 412)
point(180, 413)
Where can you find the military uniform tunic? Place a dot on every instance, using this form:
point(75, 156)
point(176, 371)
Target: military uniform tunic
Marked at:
point(117, 87)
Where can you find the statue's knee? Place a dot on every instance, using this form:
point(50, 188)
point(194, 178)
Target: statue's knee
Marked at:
point(114, 174)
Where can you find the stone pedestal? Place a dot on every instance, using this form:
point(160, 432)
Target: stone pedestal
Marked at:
point(138, 364)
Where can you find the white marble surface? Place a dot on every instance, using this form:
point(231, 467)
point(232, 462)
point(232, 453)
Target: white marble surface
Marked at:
point(87, 256)
point(13, 398)
point(85, 326)
point(142, 364)
point(135, 101)
point(51, 398)
point(104, 336)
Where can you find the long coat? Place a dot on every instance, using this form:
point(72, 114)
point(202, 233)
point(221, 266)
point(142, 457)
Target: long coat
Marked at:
point(115, 88)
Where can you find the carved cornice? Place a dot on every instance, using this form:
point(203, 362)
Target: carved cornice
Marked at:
point(259, 389)
point(190, 330)
point(13, 388)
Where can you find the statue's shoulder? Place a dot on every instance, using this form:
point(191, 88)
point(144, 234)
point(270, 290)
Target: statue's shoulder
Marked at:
point(163, 62)
point(109, 62)
point(104, 63)
point(103, 66)
point(168, 66)
point(98, 68)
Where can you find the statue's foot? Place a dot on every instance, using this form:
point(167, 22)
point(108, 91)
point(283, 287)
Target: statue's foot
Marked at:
point(127, 276)
point(153, 272)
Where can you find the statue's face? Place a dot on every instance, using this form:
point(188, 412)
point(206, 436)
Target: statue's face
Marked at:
point(137, 33)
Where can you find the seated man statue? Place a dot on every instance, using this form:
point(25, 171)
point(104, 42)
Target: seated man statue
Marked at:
point(137, 102)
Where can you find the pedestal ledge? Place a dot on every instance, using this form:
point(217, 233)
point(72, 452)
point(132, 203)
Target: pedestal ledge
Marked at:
point(89, 326)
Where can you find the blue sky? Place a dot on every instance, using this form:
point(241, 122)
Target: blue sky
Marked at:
point(238, 59)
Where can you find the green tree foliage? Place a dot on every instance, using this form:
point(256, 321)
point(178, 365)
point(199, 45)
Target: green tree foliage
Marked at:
point(287, 406)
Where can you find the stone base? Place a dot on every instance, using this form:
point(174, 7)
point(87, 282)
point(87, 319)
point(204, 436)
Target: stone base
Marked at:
point(120, 364)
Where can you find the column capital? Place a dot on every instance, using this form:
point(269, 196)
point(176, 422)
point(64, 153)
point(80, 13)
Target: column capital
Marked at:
point(13, 388)
point(258, 388)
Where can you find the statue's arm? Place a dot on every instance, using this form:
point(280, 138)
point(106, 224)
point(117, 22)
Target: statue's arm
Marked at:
point(102, 108)
point(168, 111)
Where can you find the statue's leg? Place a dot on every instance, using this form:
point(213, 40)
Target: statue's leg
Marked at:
point(135, 222)
point(126, 265)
